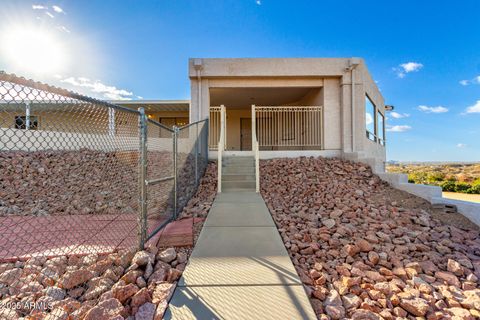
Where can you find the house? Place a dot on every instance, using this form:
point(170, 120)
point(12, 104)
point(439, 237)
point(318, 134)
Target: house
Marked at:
point(302, 107)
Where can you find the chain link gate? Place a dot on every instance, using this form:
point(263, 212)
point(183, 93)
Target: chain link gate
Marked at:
point(80, 175)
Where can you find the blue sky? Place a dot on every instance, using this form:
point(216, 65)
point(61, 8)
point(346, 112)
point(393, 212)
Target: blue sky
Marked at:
point(139, 49)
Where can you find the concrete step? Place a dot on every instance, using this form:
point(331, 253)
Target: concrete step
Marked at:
point(237, 177)
point(238, 163)
point(247, 184)
point(238, 170)
point(235, 190)
point(239, 159)
point(447, 208)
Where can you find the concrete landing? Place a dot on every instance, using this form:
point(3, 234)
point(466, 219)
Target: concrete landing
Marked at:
point(239, 268)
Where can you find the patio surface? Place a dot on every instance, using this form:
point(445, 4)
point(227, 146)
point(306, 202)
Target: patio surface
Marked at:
point(22, 237)
point(239, 268)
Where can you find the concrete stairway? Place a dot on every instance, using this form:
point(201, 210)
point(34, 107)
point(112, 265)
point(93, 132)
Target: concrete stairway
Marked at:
point(238, 173)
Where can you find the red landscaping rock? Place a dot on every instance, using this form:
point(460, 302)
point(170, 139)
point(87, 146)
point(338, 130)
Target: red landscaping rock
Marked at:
point(364, 250)
point(120, 285)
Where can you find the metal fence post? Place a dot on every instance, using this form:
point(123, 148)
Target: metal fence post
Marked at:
point(175, 172)
point(207, 132)
point(142, 175)
point(196, 154)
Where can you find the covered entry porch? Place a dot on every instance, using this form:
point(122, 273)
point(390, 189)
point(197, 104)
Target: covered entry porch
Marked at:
point(283, 118)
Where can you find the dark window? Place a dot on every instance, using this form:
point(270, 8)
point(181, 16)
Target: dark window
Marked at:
point(170, 122)
point(174, 121)
point(21, 122)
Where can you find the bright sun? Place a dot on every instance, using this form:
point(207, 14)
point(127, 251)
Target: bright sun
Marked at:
point(32, 50)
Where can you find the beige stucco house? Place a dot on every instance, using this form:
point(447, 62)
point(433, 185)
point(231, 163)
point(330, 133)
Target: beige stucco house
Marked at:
point(298, 106)
point(302, 106)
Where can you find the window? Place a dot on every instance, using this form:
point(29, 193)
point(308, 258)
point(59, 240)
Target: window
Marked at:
point(170, 122)
point(173, 121)
point(381, 128)
point(21, 122)
point(370, 119)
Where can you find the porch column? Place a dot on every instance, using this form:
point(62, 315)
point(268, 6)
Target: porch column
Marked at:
point(254, 132)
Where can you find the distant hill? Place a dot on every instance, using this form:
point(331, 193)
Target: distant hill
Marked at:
point(451, 176)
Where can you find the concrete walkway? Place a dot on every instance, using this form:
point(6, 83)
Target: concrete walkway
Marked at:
point(239, 268)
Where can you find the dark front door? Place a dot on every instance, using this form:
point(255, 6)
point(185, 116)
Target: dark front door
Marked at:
point(246, 134)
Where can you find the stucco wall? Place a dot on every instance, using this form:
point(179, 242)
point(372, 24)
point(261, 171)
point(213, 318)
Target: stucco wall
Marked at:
point(332, 74)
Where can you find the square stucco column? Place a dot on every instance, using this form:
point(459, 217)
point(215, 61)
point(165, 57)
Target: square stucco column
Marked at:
point(200, 100)
point(345, 105)
point(332, 122)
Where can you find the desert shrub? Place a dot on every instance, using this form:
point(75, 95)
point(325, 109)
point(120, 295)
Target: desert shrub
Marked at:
point(434, 177)
point(448, 186)
point(418, 177)
point(474, 189)
point(462, 187)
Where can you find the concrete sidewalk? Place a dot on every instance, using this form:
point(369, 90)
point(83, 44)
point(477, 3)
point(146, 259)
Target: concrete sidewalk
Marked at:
point(239, 268)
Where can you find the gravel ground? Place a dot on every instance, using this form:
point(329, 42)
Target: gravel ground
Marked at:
point(88, 182)
point(122, 285)
point(367, 251)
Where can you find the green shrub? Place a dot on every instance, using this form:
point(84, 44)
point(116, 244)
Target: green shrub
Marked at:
point(434, 177)
point(462, 187)
point(448, 186)
point(474, 189)
point(418, 177)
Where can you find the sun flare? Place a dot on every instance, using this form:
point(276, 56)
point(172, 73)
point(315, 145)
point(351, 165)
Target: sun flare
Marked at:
point(32, 49)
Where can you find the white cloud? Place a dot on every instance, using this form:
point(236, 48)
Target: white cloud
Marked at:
point(474, 108)
point(368, 118)
point(428, 109)
point(398, 128)
point(57, 9)
point(258, 2)
point(475, 80)
point(407, 67)
point(461, 145)
point(97, 87)
point(411, 66)
point(397, 115)
point(38, 7)
point(49, 14)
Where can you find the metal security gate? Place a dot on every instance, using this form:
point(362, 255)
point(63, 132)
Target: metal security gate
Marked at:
point(214, 128)
point(289, 127)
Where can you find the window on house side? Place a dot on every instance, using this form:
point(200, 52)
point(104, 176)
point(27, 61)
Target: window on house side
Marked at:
point(370, 119)
point(173, 121)
point(21, 122)
point(381, 128)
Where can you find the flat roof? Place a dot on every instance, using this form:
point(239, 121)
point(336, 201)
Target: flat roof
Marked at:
point(155, 105)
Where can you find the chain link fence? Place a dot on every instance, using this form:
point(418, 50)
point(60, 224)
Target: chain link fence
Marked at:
point(82, 176)
point(83, 185)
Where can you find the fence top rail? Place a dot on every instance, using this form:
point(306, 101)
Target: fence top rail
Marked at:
point(12, 78)
point(160, 125)
point(288, 107)
point(191, 124)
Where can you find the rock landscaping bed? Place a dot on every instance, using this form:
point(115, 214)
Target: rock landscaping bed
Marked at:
point(367, 251)
point(86, 181)
point(122, 285)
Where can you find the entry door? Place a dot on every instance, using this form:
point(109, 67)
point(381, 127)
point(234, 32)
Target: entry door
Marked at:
point(246, 134)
